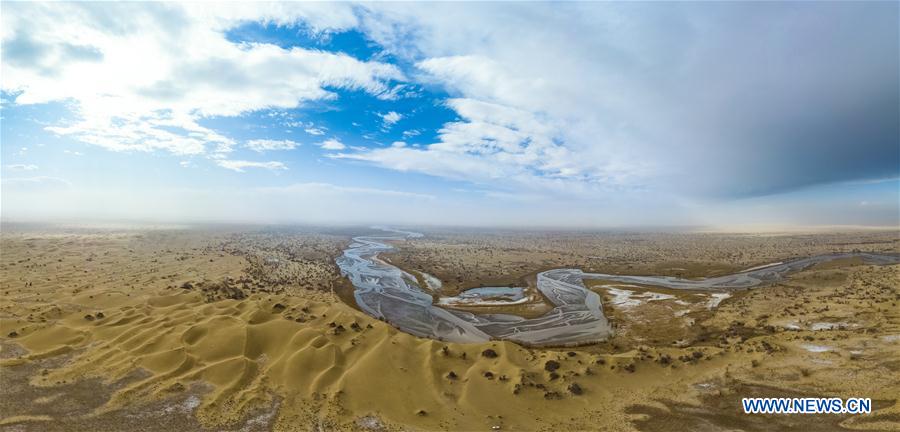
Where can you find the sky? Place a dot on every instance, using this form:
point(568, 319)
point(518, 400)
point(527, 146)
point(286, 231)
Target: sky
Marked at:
point(469, 114)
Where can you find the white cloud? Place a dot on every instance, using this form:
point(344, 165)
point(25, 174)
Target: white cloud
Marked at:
point(496, 144)
point(22, 167)
point(143, 80)
point(73, 153)
point(511, 131)
point(314, 131)
point(639, 96)
point(390, 118)
point(398, 144)
point(332, 144)
point(331, 190)
point(34, 183)
point(440, 163)
point(515, 197)
point(240, 165)
point(261, 145)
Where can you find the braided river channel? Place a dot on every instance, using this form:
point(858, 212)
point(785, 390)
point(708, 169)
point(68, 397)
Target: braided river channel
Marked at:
point(392, 294)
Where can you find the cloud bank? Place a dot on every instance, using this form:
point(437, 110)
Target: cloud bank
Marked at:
point(713, 100)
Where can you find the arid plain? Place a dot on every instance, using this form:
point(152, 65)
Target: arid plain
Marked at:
point(249, 328)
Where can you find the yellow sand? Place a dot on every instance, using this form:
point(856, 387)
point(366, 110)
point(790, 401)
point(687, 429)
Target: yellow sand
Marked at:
point(294, 356)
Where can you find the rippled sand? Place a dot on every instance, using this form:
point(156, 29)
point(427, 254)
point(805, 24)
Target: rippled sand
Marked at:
point(157, 354)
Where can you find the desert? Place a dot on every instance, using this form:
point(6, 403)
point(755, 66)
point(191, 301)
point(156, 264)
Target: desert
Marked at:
point(199, 328)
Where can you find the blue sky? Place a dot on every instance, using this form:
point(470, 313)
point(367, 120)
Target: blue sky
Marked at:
point(525, 114)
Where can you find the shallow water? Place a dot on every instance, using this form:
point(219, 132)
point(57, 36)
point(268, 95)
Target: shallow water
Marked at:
point(487, 296)
point(387, 292)
point(513, 293)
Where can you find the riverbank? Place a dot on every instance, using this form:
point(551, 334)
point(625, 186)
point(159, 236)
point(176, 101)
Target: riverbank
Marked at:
point(389, 293)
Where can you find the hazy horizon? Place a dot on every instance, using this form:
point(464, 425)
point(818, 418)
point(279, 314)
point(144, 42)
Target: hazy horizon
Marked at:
point(358, 227)
point(570, 115)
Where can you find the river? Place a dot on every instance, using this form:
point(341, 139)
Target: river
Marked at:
point(393, 295)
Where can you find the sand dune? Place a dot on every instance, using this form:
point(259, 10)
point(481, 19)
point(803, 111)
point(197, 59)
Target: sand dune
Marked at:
point(252, 353)
point(115, 311)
